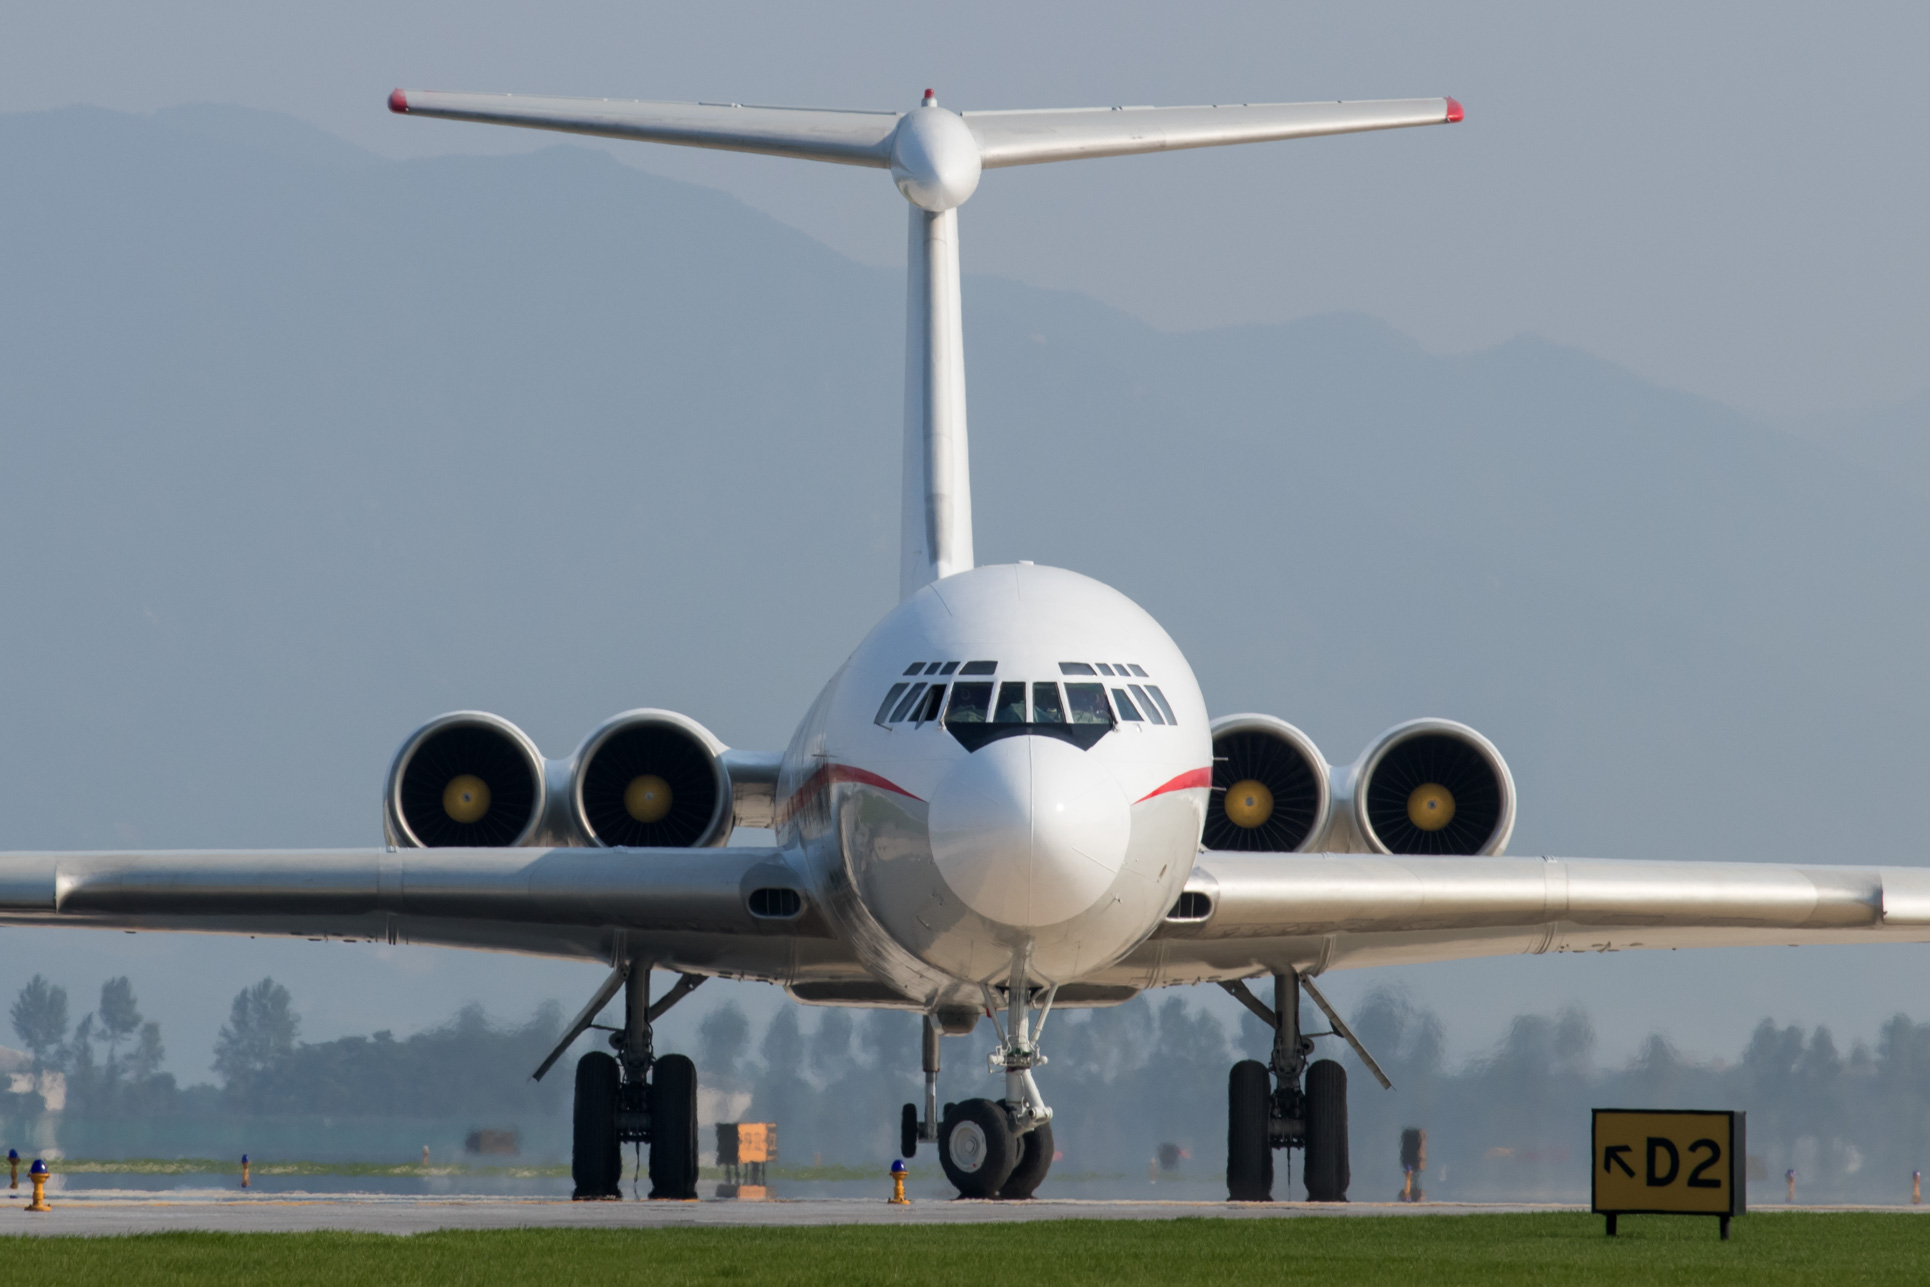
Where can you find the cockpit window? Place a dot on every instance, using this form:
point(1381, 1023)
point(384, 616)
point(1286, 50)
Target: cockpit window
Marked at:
point(1137, 671)
point(1088, 703)
point(891, 700)
point(1164, 707)
point(1011, 704)
point(1104, 669)
point(1004, 704)
point(916, 668)
point(1046, 708)
point(911, 698)
point(934, 702)
point(1146, 704)
point(969, 703)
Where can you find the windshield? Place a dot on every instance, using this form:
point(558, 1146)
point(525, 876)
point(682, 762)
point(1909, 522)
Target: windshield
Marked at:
point(1088, 704)
point(969, 703)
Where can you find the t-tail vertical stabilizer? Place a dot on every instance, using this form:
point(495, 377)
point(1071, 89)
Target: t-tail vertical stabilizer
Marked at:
point(935, 156)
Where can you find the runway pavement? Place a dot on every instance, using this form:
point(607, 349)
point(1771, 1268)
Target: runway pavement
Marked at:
point(107, 1212)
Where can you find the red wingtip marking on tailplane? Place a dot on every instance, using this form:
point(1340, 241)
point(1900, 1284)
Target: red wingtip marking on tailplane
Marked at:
point(1455, 111)
point(398, 101)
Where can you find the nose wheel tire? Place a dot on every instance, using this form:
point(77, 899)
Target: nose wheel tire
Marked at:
point(1327, 1170)
point(673, 1128)
point(1035, 1159)
point(977, 1148)
point(1249, 1153)
point(596, 1159)
point(908, 1132)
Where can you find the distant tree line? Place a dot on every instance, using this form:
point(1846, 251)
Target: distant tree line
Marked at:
point(1510, 1123)
point(1852, 1125)
point(111, 1059)
point(1125, 1080)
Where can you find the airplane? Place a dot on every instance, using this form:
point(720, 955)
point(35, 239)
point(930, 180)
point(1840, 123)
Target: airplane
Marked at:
point(1011, 797)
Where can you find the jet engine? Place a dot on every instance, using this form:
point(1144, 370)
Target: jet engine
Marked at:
point(1432, 786)
point(468, 779)
point(1271, 789)
point(652, 779)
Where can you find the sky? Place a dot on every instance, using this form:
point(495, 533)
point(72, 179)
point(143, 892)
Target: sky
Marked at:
point(1725, 198)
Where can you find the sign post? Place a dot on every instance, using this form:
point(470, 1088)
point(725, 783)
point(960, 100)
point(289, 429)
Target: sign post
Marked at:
point(1668, 1162)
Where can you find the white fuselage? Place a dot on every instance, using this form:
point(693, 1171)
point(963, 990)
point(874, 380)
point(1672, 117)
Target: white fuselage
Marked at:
point(950, 830)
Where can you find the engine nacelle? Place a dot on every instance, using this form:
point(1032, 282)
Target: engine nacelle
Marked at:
point(652, 779)
point(647, 779)
point(467, 779)
point(1432, 786)
point(1272, 790)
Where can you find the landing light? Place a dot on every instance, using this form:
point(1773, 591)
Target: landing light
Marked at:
point(1249, 804)
point(647, 798)
point(466, 798)
point(1431, 806)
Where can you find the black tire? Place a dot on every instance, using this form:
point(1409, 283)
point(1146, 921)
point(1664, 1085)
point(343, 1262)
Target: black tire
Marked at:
point(673, 1129)
point(908, 1132)
point(977, 1148)
point(596, 1157)
point(1327, 1171)
point(1035, 1159)
point(1249, 1151)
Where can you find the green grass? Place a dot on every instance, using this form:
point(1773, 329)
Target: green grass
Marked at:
point(1542, 1249)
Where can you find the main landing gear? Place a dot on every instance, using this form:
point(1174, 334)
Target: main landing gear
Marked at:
point(1267, 1108)
point(633, 1097)
point(991, 1148)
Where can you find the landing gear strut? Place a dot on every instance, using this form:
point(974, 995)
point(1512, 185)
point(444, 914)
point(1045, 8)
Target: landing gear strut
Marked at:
point(913, 1130)
point(1268, 1109)
point(634, 1097)
point(992, 1148)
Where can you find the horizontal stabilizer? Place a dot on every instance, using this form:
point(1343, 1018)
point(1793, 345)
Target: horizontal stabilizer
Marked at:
point(865, 138)
point(848, 138)
point(1029, 138)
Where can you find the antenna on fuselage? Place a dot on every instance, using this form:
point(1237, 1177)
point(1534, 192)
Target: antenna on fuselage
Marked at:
point(935, 156)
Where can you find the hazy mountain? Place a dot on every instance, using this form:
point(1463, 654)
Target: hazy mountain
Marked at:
point(303, 447)
point(1893, 441)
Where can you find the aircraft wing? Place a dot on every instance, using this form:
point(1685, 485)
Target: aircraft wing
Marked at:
point(1250, 913)
point(688, 909)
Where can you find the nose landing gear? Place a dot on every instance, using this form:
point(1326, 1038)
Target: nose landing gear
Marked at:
point(992, 1148)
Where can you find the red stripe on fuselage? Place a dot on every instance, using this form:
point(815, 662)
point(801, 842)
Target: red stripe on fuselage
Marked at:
point(828, 776)
point(1184, 782)
point(852, 773)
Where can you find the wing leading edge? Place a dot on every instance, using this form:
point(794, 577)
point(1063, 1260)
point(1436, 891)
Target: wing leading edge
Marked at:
point(687, 908)
point(1321, 911)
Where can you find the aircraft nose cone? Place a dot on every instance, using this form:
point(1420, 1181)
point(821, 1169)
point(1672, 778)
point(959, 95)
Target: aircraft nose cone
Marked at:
point(1029, 831)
